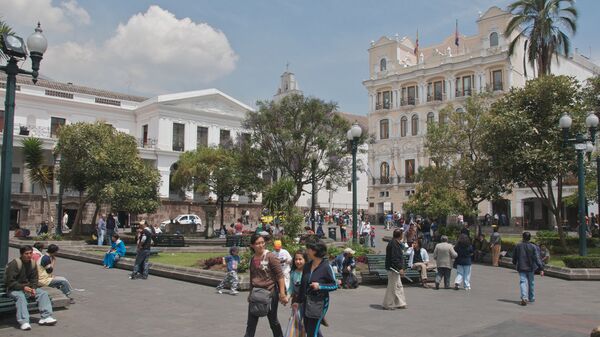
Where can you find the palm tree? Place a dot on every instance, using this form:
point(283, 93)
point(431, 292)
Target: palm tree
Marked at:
point(545, 25)
point(38, 173)
point(4, 29)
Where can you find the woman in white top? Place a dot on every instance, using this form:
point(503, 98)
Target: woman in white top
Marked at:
point(418, 260)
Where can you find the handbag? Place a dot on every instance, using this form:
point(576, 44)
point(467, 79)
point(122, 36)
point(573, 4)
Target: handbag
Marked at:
point(314, 306)
point(260, 302)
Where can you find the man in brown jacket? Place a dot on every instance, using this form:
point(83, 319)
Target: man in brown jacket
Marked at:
point(21, 280)
point(443, 254)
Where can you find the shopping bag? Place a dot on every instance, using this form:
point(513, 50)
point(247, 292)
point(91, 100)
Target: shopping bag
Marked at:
point(295, 327)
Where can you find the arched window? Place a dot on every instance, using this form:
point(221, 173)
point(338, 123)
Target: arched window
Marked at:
point(383, 64)
point(461, 116)
point(430, 118)
point(384, 173)
point(384, 129)
point(414, 125)
point(403, 126)
point(494, 39)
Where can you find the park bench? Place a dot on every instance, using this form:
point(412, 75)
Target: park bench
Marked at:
point(237, 240)
point(169, 240)
point(7, 304)
point(376, 264)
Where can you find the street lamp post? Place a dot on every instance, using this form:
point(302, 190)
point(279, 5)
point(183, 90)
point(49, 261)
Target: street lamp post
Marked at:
point(14, 48)
point(353, 136)
point(59, 211)
point(582, 145)
point(313, 193)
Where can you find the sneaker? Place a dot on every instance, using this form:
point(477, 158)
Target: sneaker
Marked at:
point(437, 286)
point(132, 277)
point(220, 291)
point(26, 326)
point(234, 292)
point(47, 321)
point(71, 300)
point(523, 303)
point(455, 286)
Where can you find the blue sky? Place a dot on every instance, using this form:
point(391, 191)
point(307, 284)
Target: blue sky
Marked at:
point(241, 47)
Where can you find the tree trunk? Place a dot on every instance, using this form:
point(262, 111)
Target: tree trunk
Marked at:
point(77, 230)
point(222, 211)
point(559, 211)
point(298, 194)
point(95, 216)
point(50, 218)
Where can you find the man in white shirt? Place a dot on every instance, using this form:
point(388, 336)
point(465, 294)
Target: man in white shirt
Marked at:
point(286, 261)
point(65, 220)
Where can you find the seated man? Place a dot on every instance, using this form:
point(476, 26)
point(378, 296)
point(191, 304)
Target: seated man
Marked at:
point(544, 254)
point(21, 283)
point(481, 247)
point(46, 268)
point(418, 260)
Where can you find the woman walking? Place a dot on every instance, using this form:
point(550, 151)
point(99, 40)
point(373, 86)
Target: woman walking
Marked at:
point(267, 286)
point(318, 280)
point(464, 249)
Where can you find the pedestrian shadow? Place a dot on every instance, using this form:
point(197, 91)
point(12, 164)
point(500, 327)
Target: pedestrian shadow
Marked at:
point(509, 301)
point(376, 306)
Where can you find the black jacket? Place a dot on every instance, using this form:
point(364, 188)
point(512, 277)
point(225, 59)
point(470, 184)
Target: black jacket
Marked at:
point(526, 258)
point(323, 274)
point(464, 255)
point(394, 256)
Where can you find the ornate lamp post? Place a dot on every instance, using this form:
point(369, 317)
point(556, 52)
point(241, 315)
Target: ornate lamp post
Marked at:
point(16, 51)
point(59, 207)
point(353, 136)
point(313, 192)
point(582, 145)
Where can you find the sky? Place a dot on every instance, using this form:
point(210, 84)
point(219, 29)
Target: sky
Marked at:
point(242, 47)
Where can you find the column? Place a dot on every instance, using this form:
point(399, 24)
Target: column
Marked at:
point(190, 136)
point(477, 83)
point(27, 186)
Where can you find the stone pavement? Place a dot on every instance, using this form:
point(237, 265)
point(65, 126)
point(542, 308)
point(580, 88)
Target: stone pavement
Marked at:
point(113, 305)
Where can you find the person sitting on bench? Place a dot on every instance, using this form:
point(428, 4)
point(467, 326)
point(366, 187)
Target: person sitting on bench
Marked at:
point(418, 260)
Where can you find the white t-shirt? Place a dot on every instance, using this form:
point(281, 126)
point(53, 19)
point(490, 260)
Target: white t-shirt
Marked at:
point(286, 260)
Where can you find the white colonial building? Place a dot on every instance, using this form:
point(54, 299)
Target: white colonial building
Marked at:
point(408, 87)
point(164, 125)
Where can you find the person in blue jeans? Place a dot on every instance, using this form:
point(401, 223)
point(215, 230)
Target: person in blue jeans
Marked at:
point(463, 262)
point(527, 261)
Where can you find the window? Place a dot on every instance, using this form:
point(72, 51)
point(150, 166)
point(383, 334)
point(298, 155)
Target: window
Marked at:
point(414, 125)
point(178, 136)
point(464, 85)
point(145, 135)
point(409, 95)
point(435, 91)
point(55, 124)
point(383, 65)
point(461, 116)
point(497, 80)
point(201, 137)
point(430, 118)
point(224, 137)
point(384, 129)
point(349, 186)
point(244, 138)
point(384, 100)
point(494, 39)
point(403, 126)
point(443, 118)
point(384, 173)
point(409, 170)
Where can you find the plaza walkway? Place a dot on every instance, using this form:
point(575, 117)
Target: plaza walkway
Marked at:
point(112, 305)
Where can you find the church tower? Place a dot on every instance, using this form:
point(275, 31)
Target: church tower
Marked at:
point(287, 86)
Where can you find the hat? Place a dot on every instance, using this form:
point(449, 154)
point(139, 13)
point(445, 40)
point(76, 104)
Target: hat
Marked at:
point(277, 244)
point(349, 251)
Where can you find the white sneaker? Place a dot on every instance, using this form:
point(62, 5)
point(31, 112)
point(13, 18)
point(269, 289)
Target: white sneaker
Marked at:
point(47, 321)
point(234, 292)
point(25, 326)
point(220, 291)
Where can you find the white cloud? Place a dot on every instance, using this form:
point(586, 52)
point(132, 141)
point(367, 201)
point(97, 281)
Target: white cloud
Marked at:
point(24, 14)
point(153, 52)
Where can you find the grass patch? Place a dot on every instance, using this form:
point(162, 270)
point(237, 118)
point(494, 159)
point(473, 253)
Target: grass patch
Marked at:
point(511, 238)
point(556, 261)
point(183, 259)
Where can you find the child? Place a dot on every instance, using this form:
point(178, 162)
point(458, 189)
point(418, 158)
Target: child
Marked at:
point(231, 261)
point(349, 280)
point(372, 236)
point(296, 274)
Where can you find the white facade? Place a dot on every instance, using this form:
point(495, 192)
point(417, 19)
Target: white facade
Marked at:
point(406, 91)
point(152, 121)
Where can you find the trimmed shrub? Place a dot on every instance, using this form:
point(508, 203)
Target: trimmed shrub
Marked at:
point(574, 261)
point(213, 261)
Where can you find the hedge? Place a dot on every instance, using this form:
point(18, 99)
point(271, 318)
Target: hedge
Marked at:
point(574, 261)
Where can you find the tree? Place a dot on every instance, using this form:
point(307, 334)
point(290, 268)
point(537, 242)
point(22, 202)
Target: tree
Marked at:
point(544, 25)
point(103, 164)
point(39, 173)
point(526, 143)
point(217, 170)
point(457, 145)
point(280, 197)
point(4, 29)
point(289, 131)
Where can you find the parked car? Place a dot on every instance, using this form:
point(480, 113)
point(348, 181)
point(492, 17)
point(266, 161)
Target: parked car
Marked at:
point(184, 219)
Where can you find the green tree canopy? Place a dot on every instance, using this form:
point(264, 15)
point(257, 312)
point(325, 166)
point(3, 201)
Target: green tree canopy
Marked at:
point(544, 25)
point(39, 173)
point(103, 164)
point(288, 132)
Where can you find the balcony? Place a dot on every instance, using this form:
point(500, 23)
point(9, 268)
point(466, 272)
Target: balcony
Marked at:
point(30, 130)
point(381, 106)
point(148, 143)
point(395, 180)
point(408, 101)
point(438, 96)
point(463, 93)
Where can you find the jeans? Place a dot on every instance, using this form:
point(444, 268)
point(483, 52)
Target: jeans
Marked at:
point(313, 325)
point(109, 233)
point(42, 299)
point(61, 284)
point(142, 262)
point(463, 275)
point(443, 273)
point(527, 285)
point(272, 316)
point(426, 239)
point(100, 237)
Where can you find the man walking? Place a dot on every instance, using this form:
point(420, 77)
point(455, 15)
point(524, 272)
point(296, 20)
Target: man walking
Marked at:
point(144, 242)
point(495, 244)
point(110, 228)
point(527, 260)
point(101, 230)
point(443, 254)
point(394, 263)
point(21, 280)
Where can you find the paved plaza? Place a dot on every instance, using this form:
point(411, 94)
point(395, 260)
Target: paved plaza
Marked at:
point(109, 304)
